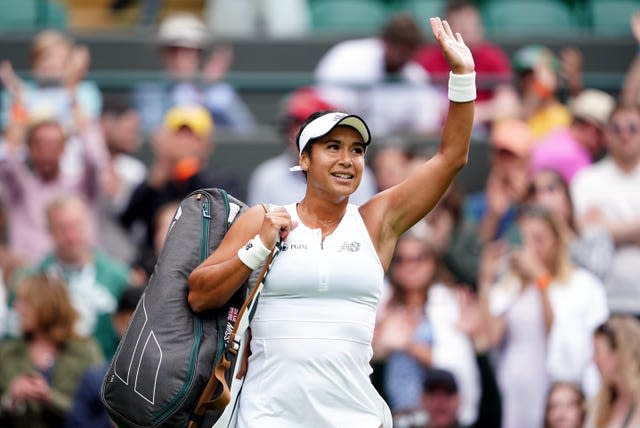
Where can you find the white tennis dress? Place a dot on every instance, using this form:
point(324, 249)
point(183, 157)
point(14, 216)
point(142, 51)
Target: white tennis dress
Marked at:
point(312, 331)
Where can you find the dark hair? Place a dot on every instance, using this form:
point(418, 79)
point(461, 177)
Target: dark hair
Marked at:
point(129, 298)
point(116, 104)
point(440, 380)
point(402, 29)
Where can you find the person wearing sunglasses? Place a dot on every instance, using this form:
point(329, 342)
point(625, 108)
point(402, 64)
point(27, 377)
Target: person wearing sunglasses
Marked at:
point(617, 355)
point(607, 193)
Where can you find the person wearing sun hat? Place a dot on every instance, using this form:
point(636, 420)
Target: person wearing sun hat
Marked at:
point(271, 181)
point(313, 327)
point(191, 76)
point(569, 150)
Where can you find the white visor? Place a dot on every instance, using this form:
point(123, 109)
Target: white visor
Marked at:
point(322, 125)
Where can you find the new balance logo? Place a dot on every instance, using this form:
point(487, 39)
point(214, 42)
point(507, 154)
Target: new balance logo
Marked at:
point(350, 247)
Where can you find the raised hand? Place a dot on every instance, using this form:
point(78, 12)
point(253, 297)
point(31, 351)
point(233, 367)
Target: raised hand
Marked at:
point(11, 81)
point(453, 47)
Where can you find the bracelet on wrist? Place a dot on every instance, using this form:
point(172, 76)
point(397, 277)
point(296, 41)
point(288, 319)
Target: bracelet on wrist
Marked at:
point(254, 253)
point(544, 281)
point(462, 87)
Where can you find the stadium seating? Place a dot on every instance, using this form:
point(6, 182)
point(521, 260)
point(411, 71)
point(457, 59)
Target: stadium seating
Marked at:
point(528, 18)
point(611, 17)
point(422, 10)
point(347, 17)
point(30, 15)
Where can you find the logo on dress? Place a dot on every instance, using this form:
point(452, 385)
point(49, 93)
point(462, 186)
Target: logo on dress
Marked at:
point(292, 246)
point(350, 247)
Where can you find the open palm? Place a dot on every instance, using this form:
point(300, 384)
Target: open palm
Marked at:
point(453, 47)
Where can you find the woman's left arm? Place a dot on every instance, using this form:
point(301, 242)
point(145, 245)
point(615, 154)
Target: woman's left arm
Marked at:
point(392, 212)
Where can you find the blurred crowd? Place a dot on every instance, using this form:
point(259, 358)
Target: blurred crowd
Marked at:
point(517, 306)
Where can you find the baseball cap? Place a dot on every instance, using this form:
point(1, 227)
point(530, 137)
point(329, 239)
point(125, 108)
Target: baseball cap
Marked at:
point(195, 117)
point(303, 102)
point(528, 56)
point(184, 30)
point(513, 135)
point(440, 380)
point(592, 105)
point(321, 126)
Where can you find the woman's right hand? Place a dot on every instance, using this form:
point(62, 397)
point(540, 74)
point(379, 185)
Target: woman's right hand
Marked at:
point(276, 226)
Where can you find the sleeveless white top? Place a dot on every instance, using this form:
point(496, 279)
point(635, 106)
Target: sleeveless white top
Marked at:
point(312, 332)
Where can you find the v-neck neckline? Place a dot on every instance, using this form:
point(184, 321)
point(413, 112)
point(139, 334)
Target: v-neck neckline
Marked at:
point(322, 236)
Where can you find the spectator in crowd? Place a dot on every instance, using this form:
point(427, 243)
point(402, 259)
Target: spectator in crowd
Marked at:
point(146, 262)
point(441, 395)
point(536, 69)
point(519, 318)
point(452, 348)
point(568, 150)
point(577, 298)
point(607, 193)
point(377, 79)
point(441, 399)
point(617, 355)
point(496, 94)
point(391, 163)
point(87, 410)
point(590, 245)
point(58, 66)
point(565, 306)
point(123, 172)
point(40, 370)
point(120, 125)
point(183, 39)
point(271, 181)
point(95, 281)
point(565, 406)
point(493, 210)
point(181, 151)
point(31, 174)
point(403, 336)
point(454, 237)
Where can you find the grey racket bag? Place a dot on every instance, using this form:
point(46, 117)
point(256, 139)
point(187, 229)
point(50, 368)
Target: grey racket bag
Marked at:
point(167, 354)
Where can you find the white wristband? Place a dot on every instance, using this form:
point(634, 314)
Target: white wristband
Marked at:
point(254, 253)
point(462, 87)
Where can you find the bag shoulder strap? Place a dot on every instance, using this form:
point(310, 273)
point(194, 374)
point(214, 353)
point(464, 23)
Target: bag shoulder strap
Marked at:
point(218, 378)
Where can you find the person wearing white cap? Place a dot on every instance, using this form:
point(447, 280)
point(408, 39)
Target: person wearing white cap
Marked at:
point(190, 78)
point(313, 327)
